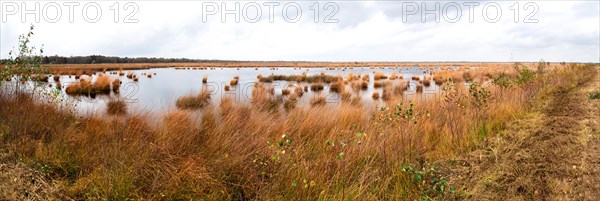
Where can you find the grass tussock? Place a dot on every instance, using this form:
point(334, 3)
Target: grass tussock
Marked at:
point(375, 95)
point(426, 81)
point(102, 85)
point(318, 78)
point(438, 79)
point(116, 107)
point(336, 87)
point(194, 102)
point(379, 76)
point(316, 87)
point(318, 101)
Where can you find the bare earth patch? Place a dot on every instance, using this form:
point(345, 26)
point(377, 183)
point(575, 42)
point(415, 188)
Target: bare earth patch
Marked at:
point(552, 154)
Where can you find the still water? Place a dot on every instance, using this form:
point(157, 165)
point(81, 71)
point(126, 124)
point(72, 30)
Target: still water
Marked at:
point(159, 93)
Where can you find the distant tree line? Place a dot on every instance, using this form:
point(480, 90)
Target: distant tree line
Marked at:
point(95, 59)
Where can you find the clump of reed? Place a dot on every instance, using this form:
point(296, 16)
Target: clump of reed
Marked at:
point(379, 76)
point(299, 91)
point(285, 91)
point(379, 84)
point(116, 84)
point(227, 87)
point(416, 78)
point(149, 75)
point(116, 107)
point(318, 101)
point(316, 86)
point(194, 102)
point(204, 79)
point(79, 88)
point(56, 77)
point(39, 78)
point(336, 87)
point(400, 88)
point(426, 81)
point(301, 78)
point(375, 95)
point(263, 97)
point(438, 79)
point(366, 77)
point(290, 102)
point(393, 76)
point(102, 84)
point(233, 82)
point(130, 75)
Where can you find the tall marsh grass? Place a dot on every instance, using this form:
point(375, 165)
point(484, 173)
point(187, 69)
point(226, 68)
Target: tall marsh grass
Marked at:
point(237, 151)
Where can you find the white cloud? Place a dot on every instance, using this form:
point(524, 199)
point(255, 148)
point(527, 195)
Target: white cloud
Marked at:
point(366, 31)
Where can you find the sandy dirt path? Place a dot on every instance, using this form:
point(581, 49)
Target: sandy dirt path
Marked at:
point(551, 154)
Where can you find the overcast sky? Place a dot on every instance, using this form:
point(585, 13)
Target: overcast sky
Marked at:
point(345, 31)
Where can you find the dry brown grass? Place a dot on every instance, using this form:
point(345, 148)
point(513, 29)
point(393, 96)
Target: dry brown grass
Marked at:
point(379, 84)
point(194, 102)
point(336, 87)
point(233, 82)
point(427, 81)
point(379, 76)
point(205, 79)
point(116, 107)
point(318, 101)
point(316, 87)
point(375, 95)
point(116, 84)
point(416, 78)
point(438, 79)
point(235, 152)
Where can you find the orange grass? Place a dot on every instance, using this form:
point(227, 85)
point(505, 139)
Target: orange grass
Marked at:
point(243, 152)
point(116, 107)
point(194, 102)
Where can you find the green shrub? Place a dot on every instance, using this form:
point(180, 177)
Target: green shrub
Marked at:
point(595, 95)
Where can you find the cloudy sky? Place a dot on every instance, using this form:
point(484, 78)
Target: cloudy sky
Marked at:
point(312, 31)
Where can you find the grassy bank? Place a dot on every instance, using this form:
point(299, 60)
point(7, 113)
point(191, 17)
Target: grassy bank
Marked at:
point(248, 151)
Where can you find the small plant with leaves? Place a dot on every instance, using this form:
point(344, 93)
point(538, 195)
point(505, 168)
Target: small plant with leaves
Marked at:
point(281, 147)
point(595, 95)
point(502, 80)
point(26, 64)
point(346, 142)
point(428, 179)
point(525, 75)
point(479, 95)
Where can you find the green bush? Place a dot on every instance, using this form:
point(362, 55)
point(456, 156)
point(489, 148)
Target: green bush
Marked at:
point(595, 95)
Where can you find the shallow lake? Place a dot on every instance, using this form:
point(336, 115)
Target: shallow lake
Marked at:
point(160, 92)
